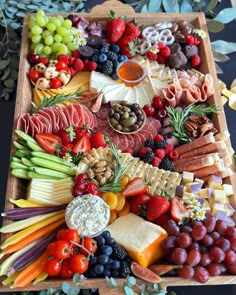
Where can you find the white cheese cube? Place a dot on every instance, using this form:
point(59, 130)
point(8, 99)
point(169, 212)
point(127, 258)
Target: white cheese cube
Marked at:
point(219, 196)
point(187, 176)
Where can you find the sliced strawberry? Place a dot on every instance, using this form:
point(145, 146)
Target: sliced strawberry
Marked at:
point(136, 203)
point(82, 145)
point(135, 187)
point(178, 211)
point(80, 132)
point(98, 140)
point(48, 141)
point(156, 207)
point(67, 135)
point(66, 149)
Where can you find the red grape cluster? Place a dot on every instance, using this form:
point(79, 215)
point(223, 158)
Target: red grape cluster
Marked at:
point(204, 249)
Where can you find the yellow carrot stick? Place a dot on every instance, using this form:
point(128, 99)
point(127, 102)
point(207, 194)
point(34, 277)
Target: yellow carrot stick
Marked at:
point(29, 230)
point(22, 203)
point(32, 237)
point(28, 274)
point(10, 279)
point(41, 277)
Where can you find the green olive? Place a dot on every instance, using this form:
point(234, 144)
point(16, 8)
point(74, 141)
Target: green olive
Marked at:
point(118, 127)
point(125, 109)
point(111, 113)
point(129, 121)
point(135, 127)
point(116, 107)
point(125, 115)
point(126, 129)
point(113, 122)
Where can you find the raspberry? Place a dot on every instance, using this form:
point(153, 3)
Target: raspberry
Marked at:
point(149, 110)
point(169, 148)
point(129, 150)
point(195, 62)
point(161, 59)
point(157, 103)
point(156, 162)
point(189, 40)
point(165, 52)
point(173, 155)
point(151, 55)
point(63, 57)
point(160, 153)
point(158, 137)
point(71, 60)
point(73, 72)
point(92, 66)
point(197, 41)
point(78, 64)
point(75, 53)
point(143, 151)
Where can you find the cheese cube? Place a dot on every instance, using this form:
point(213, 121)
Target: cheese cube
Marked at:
point(229, 209)
point(216, 206)
point(199, 181)
point(187, 196)
point(206, 205)
point(228, 188)
point(141, 239)
point(193, 187)
point(219, 196)
point(188, 176)
point(205, 193)
point(214, 181)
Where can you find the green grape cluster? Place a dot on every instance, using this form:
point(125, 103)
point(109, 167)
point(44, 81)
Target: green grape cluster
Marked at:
point(51, 35)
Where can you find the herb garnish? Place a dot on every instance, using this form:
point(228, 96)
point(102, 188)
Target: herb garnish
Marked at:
point(178, 117)
point(56, 99)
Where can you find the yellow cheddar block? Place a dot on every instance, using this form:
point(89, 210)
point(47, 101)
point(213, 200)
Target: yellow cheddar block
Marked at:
point(219, 196)
point(187, 177)
point(141, 239)
point(214, 182)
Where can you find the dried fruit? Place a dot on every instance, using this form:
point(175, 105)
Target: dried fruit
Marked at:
point(144, 273)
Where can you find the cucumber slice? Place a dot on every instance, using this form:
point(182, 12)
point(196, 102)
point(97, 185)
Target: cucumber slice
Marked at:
point(49, 172)
point(15, 159)
point(20, 173)
point(26, 162)
point(25, 136)
point(32, 174)
point(50, 157)
point(34, 147)
point(18, 146)
point(17, 165)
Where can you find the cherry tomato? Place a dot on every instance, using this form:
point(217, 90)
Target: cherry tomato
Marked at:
point(62, 249)
point(72, 235)
point(50, 249)
point(90, 244)
point(60, 234)
point(79, 263)
point(52, 267)
point(44, 60)
point(81, 178)
point(61, 65)
point(92, 189)
point(66, 272)
point(34, 75)
point(55, 83)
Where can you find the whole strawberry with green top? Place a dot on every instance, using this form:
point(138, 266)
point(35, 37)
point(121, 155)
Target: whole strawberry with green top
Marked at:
point(115, 27)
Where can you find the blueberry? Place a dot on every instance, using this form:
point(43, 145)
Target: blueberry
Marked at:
point(103, 259)
point(94, 58)
point(93, 260)
point(110, 241)
point(115, 273)
point(99, 269)
point(107, 272)
point(107, 250)
point(123, 58)
point(106, 234)
point(116, 264)
point(115, 48)
point(100, 241)
point(92, 273)
point(104, 49)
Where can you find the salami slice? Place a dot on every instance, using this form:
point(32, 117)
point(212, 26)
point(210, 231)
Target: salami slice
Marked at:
point(115, 138)
point(103, 112)
point(123, 142)
point(131, 142)
point(138, 141)
point(151, 121)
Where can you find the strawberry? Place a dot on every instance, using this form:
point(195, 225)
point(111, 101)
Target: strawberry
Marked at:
point(132, 31)
point(178, 211)
point(98, 140)
point(80, 132)
point(126, 45)
point(144, 150)
point(165, 52)
point(156, 162)
point(158, 137)
point(67, 135)
point(161, 59)
point(115, 27)
point(173, 155)
point(160, 153)
point(136, 203)
point(65, 149)
point(49, 142)
point(156, 207)
point(151, 55)
point(82, 145)
point(134, 187)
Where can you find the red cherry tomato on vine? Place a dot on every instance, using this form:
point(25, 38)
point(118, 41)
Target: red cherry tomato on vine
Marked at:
point(55, 83)
point(66, 272)
point(52, 267)
point(34, 75)
point(79, 263)
point(62, 249)
point(90, 244)
point(71, 235)
point(60, 234)
point(50, 249)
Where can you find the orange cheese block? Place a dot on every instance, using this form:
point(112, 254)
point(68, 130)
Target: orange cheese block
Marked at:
point(79, 80)
point(141, 239)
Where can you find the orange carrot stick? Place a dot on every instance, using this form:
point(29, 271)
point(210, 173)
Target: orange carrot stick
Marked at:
point(32, 237)
point(28, 274)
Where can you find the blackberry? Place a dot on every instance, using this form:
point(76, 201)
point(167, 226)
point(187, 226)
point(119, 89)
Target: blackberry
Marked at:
point(161, 144)
point(149, 143)
point(96, 51)
point(107, 68)
point(166, 164)
point(112, 56)
point(95, 58)
point(118, 252)
point(125, 269)
point(148, 157)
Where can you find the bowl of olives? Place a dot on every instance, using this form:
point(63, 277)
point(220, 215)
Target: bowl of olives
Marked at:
point(126, 118)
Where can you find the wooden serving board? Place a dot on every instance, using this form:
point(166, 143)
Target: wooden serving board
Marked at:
point(16, 187)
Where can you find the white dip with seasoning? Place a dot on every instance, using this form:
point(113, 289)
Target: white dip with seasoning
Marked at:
point(89, 214)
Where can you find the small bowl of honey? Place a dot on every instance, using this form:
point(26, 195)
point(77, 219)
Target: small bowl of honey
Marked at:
point(130, 72)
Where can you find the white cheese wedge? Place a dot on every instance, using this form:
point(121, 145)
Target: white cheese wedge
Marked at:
point(142, 239)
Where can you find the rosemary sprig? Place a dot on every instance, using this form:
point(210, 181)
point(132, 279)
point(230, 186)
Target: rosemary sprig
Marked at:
point(54, 100)
point(178, 117)
point(115, 185)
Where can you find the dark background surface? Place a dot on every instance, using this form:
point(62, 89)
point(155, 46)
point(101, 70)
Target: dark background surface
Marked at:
point(229, 69)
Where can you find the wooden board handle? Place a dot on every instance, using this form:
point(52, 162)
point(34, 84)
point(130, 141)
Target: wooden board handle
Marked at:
point(115, 5)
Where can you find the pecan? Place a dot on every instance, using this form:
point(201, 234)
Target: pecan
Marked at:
point(195, 134)
point(205, 128)
point(190, 126)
